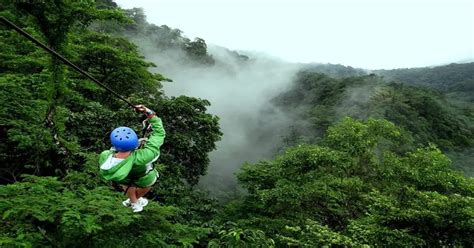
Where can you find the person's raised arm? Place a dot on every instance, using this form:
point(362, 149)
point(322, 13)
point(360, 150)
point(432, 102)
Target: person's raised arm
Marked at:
point(151, 150)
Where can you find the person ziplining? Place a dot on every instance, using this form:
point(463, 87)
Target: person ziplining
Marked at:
point(131, 166)
point(125, 163)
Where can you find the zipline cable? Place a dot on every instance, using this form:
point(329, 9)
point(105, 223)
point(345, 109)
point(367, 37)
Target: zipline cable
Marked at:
point(60, 57)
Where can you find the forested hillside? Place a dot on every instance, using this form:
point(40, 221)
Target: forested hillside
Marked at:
point(430, 115)
point(367, 161)
point(447, 78)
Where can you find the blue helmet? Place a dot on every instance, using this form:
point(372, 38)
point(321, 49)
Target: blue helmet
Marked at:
point(124, 139)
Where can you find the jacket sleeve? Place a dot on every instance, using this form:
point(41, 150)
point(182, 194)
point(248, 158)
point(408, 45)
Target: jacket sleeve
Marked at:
point(103, 156)
point(151, 150)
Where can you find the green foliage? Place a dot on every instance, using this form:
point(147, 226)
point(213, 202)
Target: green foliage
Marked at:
point(366, 183)
point(313, 234)
point(191, 135)
point(36, 92)
point(428, 116)
point(233, 236)
point(115, 61)
point(45, 212)
point(455, 79)
point(357, 138)
point(197, 50)
point(54, 21)
point(24, 138)
point(162, 38)
point(357, 188)
point(335, 70)
point(46, 112)
point(19, 55)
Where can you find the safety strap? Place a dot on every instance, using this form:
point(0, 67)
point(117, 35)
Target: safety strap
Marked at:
point(146, 127)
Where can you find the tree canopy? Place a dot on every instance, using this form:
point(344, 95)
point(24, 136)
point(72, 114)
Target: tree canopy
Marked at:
point(368, 162)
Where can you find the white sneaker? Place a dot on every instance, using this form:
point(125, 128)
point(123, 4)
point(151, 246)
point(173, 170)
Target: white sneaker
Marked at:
point(126, 203)
point(136, 207)
point(143, 201)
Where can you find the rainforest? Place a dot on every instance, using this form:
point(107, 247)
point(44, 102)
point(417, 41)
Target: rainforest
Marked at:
point(258, 152)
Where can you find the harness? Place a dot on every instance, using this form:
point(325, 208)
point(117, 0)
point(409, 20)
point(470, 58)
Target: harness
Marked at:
point(146, 128)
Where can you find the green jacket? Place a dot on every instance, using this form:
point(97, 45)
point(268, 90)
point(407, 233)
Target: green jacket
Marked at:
point(133, 169)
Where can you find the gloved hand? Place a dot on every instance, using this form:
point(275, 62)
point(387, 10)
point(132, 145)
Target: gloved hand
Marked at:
point(142, 109)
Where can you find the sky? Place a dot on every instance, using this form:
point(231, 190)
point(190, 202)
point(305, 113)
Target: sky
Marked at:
point(382, 34)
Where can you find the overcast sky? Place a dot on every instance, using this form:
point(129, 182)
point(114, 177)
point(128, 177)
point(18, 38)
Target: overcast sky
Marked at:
point(368, 34)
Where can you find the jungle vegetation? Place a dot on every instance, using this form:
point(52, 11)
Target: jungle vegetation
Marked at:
point(373, 159)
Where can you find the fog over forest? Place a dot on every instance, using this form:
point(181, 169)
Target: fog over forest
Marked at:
point(246, 149)
point(240, 93)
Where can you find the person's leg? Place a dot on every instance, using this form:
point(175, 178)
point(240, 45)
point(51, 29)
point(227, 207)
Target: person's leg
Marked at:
point(134, 203)
point(132, 194)
point(142, 191)
point(148, 181)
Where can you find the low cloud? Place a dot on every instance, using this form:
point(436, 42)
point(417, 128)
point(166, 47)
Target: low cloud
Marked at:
point(240, 91)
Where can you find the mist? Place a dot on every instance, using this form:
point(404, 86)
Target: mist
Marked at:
point(240, 94)
point(356, 99)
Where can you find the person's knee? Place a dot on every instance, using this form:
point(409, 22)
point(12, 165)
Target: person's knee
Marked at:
point(145, 189)
point(131, 191)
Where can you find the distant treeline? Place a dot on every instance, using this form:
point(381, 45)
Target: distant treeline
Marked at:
point(363, 165)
